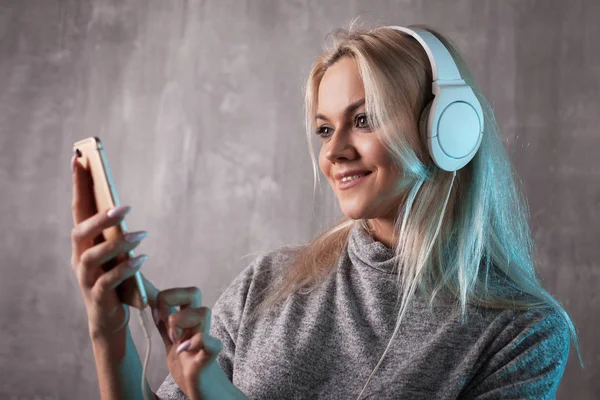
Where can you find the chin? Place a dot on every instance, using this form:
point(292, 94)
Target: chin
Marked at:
point(354, 217)
point(355, 212)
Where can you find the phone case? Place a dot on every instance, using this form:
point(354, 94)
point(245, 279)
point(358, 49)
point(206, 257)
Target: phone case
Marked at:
point(91, 154)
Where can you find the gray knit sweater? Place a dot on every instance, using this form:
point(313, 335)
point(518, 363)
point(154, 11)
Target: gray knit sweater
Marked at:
point(326, 344)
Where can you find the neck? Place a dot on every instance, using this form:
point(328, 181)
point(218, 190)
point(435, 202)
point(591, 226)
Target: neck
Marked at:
point(382, 230)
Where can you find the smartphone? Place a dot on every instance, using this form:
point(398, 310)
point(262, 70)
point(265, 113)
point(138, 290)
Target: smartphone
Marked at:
point(92, 156)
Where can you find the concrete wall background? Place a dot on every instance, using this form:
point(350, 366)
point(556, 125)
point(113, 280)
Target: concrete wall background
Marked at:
point(199, 105)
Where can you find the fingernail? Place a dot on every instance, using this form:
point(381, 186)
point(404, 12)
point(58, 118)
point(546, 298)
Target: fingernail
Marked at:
point(184, 346)
point(136, 261)
point(73, 163)
point(135, 236)
point(118, 211)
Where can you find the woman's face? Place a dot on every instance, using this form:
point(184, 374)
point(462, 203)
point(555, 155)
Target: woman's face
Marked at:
point(348, 143)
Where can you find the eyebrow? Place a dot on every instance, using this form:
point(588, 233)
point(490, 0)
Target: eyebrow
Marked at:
point(348, 109)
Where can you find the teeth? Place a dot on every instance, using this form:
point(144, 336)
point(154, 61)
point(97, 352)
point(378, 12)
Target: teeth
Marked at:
point(349, 178)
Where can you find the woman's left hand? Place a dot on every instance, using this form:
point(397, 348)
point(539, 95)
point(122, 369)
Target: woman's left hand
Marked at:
point(191, 351)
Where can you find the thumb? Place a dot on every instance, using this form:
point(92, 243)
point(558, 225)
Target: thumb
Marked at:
point(202, 351)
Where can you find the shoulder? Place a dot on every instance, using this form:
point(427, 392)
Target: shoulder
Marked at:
point(256, 276)
point(537, 331)
point(498, 329)
point(544, 327)
point(525, 355)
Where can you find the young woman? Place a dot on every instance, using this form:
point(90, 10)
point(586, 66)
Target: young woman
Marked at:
point(425, 289)
point(453, 249)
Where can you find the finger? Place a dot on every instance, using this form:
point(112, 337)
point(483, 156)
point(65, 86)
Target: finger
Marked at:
point(83, 205)
point(163, 329)
point(185, 323)
point(194, 355)
point(201, 368)
point(189, 297)
point(84, 233)
point(209, 345)
point(109, 280)
point(198, 354)
point(167, 300)
point(95, 257)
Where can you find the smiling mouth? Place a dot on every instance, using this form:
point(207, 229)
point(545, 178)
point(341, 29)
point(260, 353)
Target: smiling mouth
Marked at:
point(348, 184)
point(368, 173)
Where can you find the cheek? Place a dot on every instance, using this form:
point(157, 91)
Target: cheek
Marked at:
point(323, 165)
point(388, 174)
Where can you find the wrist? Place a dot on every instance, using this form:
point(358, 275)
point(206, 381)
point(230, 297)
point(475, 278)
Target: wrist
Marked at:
point(107, 330)
point(101, 336)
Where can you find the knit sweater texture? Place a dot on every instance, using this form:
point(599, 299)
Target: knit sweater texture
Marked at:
point(324, 345)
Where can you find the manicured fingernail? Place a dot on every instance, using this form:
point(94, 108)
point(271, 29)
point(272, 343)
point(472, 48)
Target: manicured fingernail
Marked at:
point(133, 237)
point(184, 346)
point(73, 163)
point(118, 211)
point(137, 261)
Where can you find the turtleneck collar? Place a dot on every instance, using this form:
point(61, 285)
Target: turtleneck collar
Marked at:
point(364, 250)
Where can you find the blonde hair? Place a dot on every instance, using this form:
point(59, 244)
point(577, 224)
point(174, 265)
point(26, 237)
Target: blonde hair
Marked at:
point(482, 253)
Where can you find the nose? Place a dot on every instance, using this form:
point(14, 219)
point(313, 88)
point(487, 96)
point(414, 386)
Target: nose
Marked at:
point(340, 146)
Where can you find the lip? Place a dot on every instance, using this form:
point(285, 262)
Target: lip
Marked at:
point(350, 172)
point(352, 183)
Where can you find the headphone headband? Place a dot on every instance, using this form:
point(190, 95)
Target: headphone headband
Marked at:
point(443, 66)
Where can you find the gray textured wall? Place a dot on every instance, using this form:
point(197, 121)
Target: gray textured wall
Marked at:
point(199, 105)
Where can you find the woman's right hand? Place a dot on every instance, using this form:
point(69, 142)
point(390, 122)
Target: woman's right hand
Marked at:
point(106, 313)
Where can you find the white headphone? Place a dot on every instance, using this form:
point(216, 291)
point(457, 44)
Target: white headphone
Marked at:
point(452, 124)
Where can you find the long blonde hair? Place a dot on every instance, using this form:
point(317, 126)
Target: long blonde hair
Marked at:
point(482, 253)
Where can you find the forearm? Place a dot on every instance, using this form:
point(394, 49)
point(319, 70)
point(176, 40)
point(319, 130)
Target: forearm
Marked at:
point(215, 385)
point(119, 368)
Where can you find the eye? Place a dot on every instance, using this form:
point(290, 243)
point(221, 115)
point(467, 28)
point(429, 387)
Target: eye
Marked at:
point(323, 130)
point(362, 121)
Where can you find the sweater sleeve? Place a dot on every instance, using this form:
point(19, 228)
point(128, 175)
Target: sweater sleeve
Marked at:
point(226, 316)
point(530, 363)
